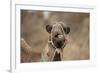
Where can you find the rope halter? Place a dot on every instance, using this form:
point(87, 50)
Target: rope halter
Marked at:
point(58, 50)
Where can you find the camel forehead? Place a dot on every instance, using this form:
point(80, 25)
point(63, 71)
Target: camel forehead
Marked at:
point(57, 28)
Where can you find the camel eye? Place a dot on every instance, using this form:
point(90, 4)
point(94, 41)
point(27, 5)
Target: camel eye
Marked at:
point(67, 30)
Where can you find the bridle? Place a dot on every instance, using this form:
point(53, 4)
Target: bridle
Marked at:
point(58, 50)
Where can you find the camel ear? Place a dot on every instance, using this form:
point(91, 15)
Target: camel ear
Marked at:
point(48, 28)
point(67, 30)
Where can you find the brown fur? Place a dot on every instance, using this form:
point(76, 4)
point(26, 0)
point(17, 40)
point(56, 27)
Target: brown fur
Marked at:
point(27, 54)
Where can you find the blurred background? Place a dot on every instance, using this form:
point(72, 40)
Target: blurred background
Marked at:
point(34, 33)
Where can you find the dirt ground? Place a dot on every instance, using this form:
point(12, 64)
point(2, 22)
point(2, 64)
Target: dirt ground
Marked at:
point(34, 32)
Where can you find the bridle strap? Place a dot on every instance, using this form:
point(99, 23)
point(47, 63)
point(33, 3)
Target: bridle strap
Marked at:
point(57, 50)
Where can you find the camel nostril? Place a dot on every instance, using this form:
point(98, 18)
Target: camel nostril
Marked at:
point(56, 35)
